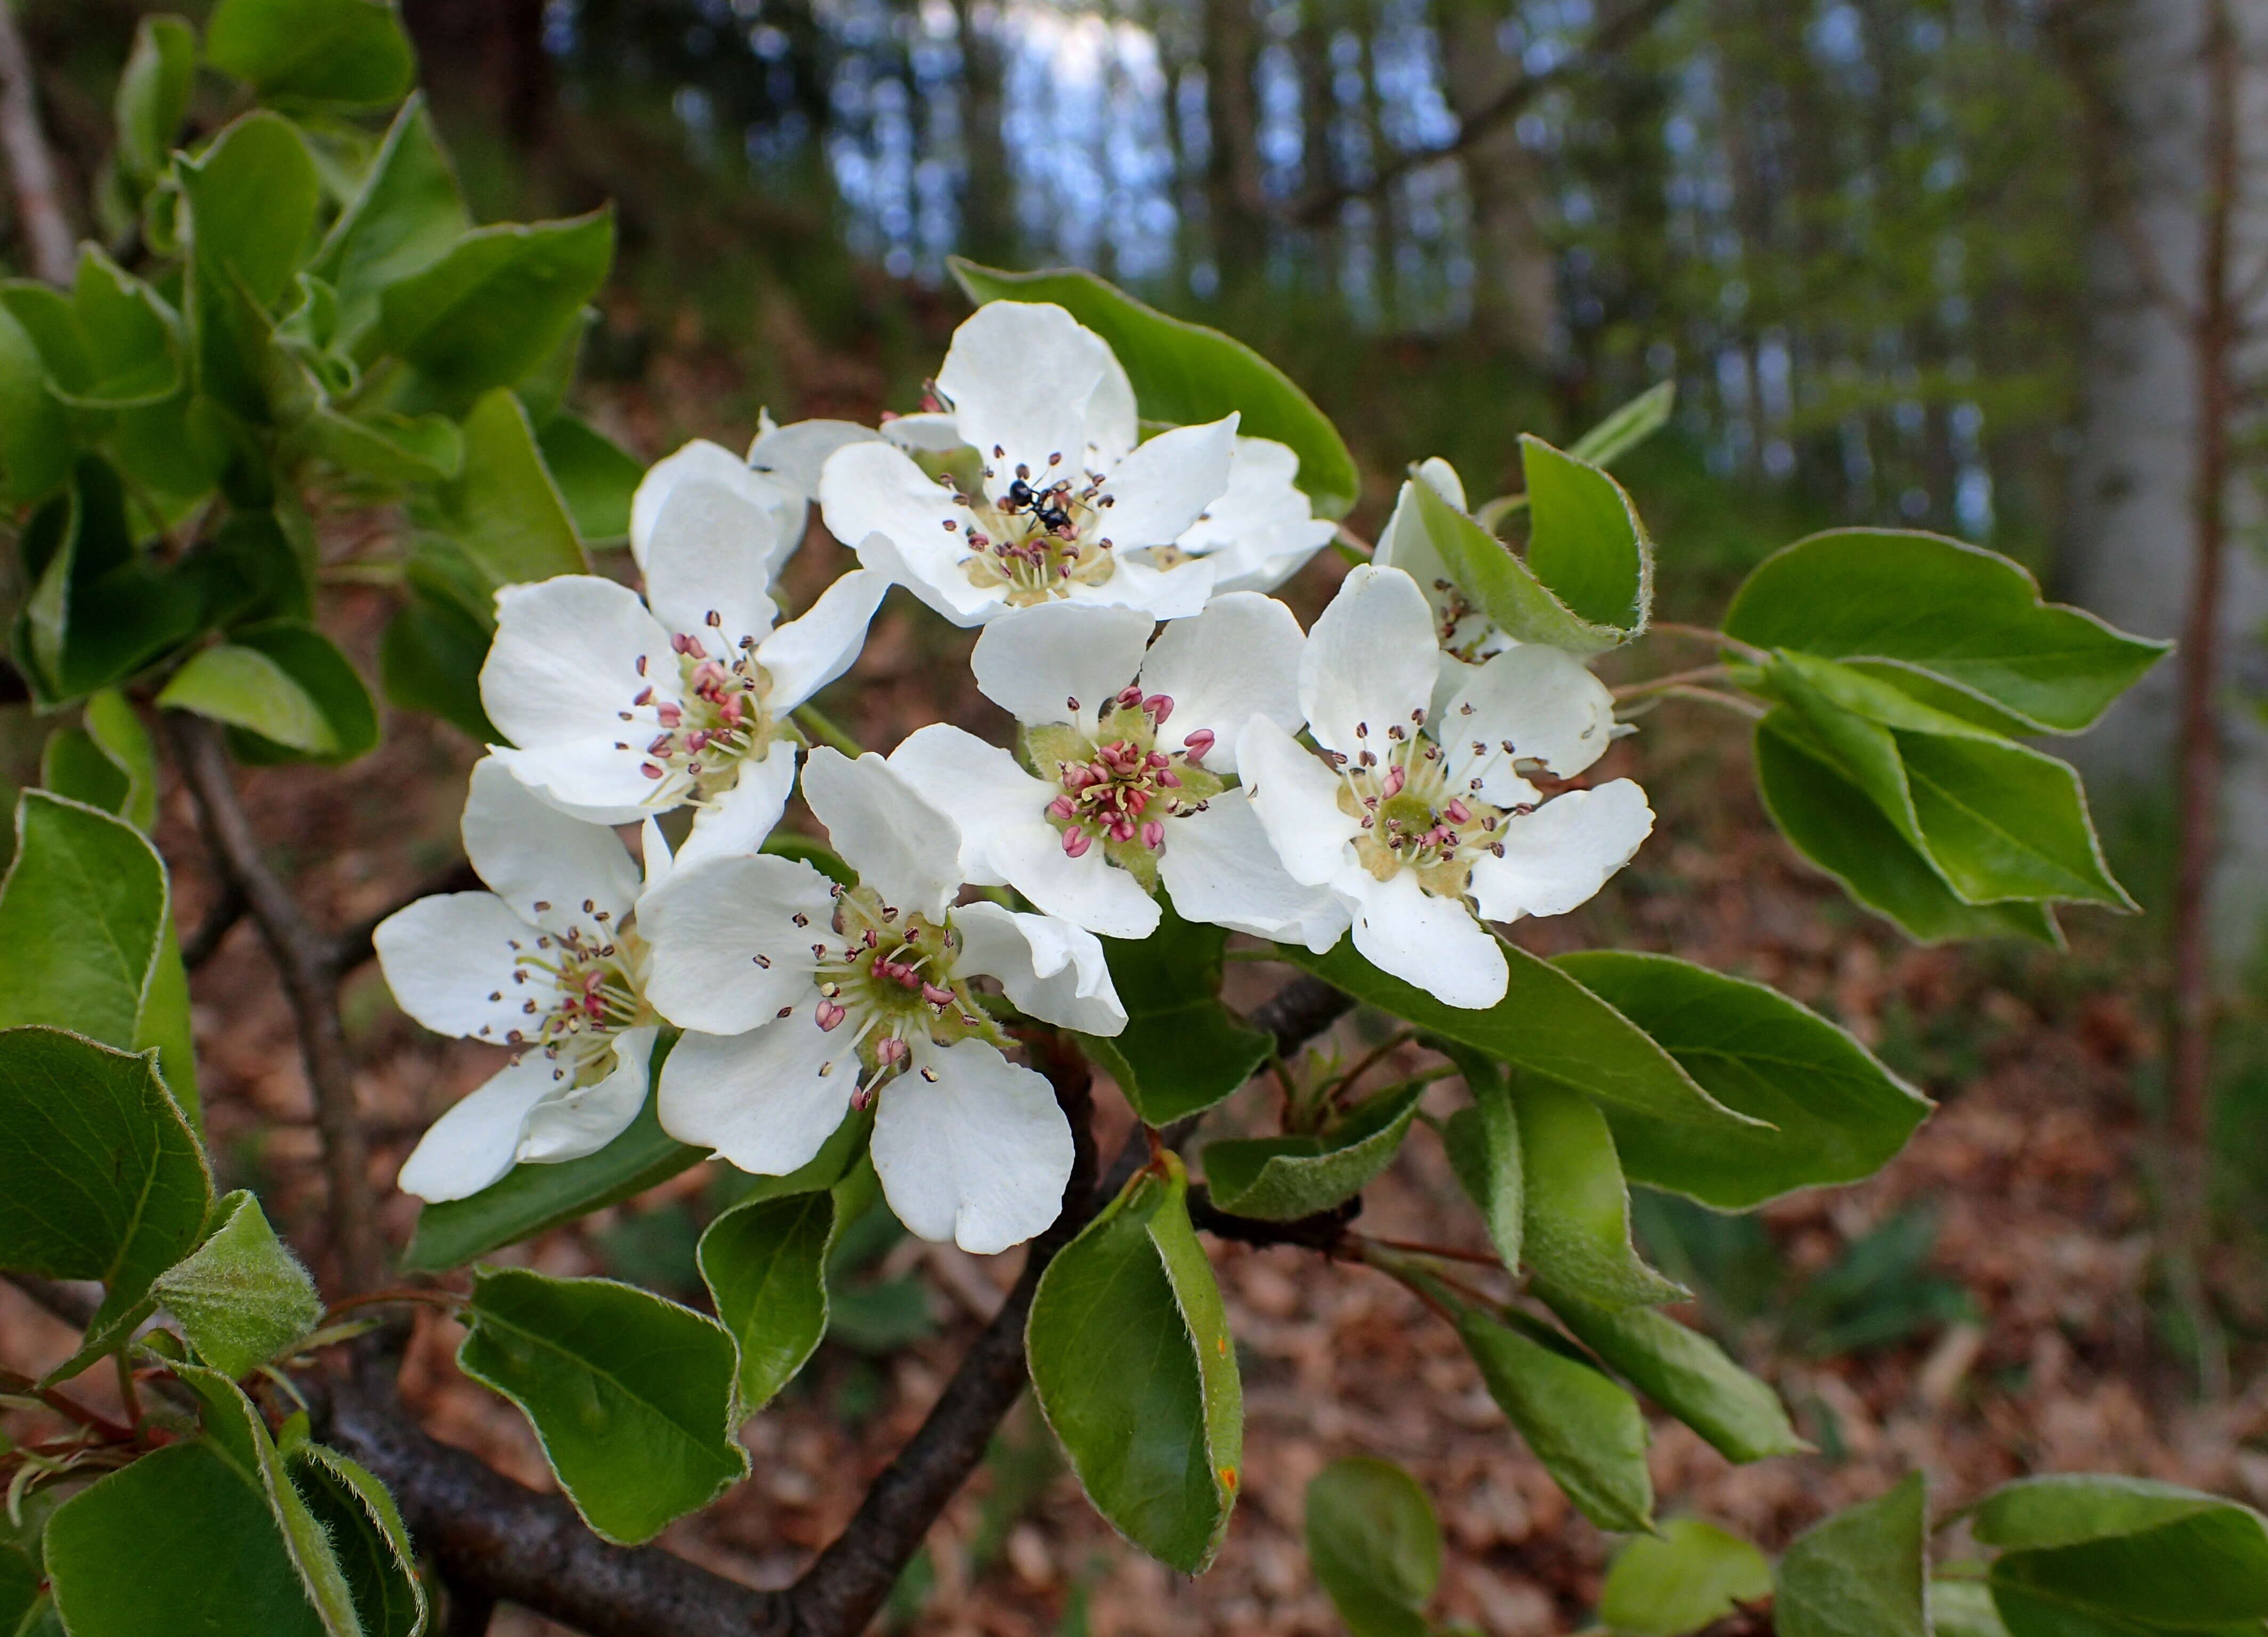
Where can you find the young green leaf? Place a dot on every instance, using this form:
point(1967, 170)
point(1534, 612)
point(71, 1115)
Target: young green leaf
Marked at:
point(101, 1177)
point(82, 912)
point(1133, 1367)
point(1187, 375)
point(530, 1200)
point(1860, 1572)
point(1832, 822)
point(1181, 1050)
point(96, 611)
point(1576, 1227)
point(596, 477)
point(1483, 1141)
point(1963, 1608)
point(242, 1298)
point(252, 198)
point(1835, 1114)
point(1585, 541)
point(153, 96)
point(19, 1587)
point(1690, 1575)
point(114, 730)
point(354, 52)
point(367, 1535)
point(494, 307)
point(406, 215)
point(1280, 1179)
point(2101, 1552)
point(1684, 1372)
point(123, 344)
point(1628, 426)
point(631, 1395)
point(35, 435)
point(1587, 1430)
point(1496, 582)
point(1547, 1025)
point(1375, 1543)
point(385, 448)
point(503, 510)
point(430, 659)
point(1966, 615)
point(325, 676)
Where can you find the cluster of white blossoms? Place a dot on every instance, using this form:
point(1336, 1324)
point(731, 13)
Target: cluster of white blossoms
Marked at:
point(1177, 732)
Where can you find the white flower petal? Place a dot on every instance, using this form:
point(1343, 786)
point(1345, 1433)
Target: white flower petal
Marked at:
point(478, 1140)
point(1219, 868)
point(1401, 929)
point(1237, 660)
point(1019, 376)
point(1112, 427)
point(1557, 856)
point(902, 846)
point(1089, 892)
point(1168, 594)
point(574, 1121)
point(1157, 493)
point(811, 650)
point(446, 955)
point(767, 1100)
point(876, 500)
point(979, 1154)
point(1296, 799)
point(738, 819)
point(1032, 662)
point(1404, 544)
point(594, 779)
point(793, 455)
point(1263, 529)
point(979, 787)
point(1542, 700)
point(1369, 663)
point(707, 925)
point(544, 865)
point(654, 853)
point(933, 431)
point(707, 567)
point(565, 661)
point(713, 463)
point(1050, 968)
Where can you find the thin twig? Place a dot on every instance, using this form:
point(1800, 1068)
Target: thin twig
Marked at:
point(305, 959)
point(823, 727)
point(38, 200)
point(1673, 680)
point(204, 942)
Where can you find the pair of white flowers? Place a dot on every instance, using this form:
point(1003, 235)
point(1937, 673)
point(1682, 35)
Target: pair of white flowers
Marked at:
point(1151, 760)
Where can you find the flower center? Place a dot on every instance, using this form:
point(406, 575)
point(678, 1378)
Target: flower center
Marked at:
point(891, 975)
point(1455, 613)
point(1117, 788)
point(1412, 817)
point(720, 721)
point(1041, 538)
point(585, 987)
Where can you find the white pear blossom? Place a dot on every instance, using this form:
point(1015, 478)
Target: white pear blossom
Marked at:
point(802, 998)
point(1263, 529)
point(780, 477)
point(1040, 490)
point(618, 707)
point(1465, 634)
point(551, 960)
point(1129, 744)
point(1420, 818)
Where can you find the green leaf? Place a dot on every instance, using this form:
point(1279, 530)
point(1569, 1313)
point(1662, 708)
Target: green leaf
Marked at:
point(765, 1264)
point(367, 1536)
point(251, 688)
point(82, 913)
point(1483, 1141)
point(1577, 1208)
point(1495, 581)
point(153, 98)
point(389, 448)
point(1547, 1025)
point(1963, 1608)
point(252, 197)
point(242, 1298)
point(1586, 1430)
point(1181, 1050)
point(494, 306)
point(1628, 426)
point(1280, 1179)
point(430, 659)
point(115, 730)
point(406, 215)
point(180, 1543)
point(96, 611)
point(1832, 822)
point(1133, 1367)
point(1860, 1573)
point(345, 51)
point(1585, 541)
point(1835, 1114)
point(326, 678)
point(1966, 615)
point(596, 477)
point(101, 1177)
point(1684, 1372)
point(1690, 1575)
point(531, 1199)
point(117, 346)
point(73, 766)
point(503, 510)
point(2117, 1550)
point(35, 435)
point(1186, 374)
point(631, 1395)
point(1375, 1543)
point(19, 1587)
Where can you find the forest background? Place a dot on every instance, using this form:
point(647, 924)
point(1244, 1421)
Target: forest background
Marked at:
point(1910, 263)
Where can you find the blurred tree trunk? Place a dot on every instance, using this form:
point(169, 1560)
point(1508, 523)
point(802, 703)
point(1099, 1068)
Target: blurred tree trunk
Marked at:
point(490, 51)
point(1233, 193)
point(1515, 287)
point(988, 206)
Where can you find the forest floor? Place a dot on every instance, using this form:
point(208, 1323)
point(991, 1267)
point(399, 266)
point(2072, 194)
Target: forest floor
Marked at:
point(1985, 1306)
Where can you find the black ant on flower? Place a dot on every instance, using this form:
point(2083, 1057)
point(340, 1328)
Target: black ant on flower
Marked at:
point(1045, 505)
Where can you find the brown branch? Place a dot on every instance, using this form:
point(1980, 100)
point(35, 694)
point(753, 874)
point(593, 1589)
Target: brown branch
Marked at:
point(1299, 1011)
point(305, 958)
point(1610, 37)
point(39, 201)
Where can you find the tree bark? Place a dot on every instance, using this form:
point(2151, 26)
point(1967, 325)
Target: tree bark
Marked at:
point(1515, 292)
